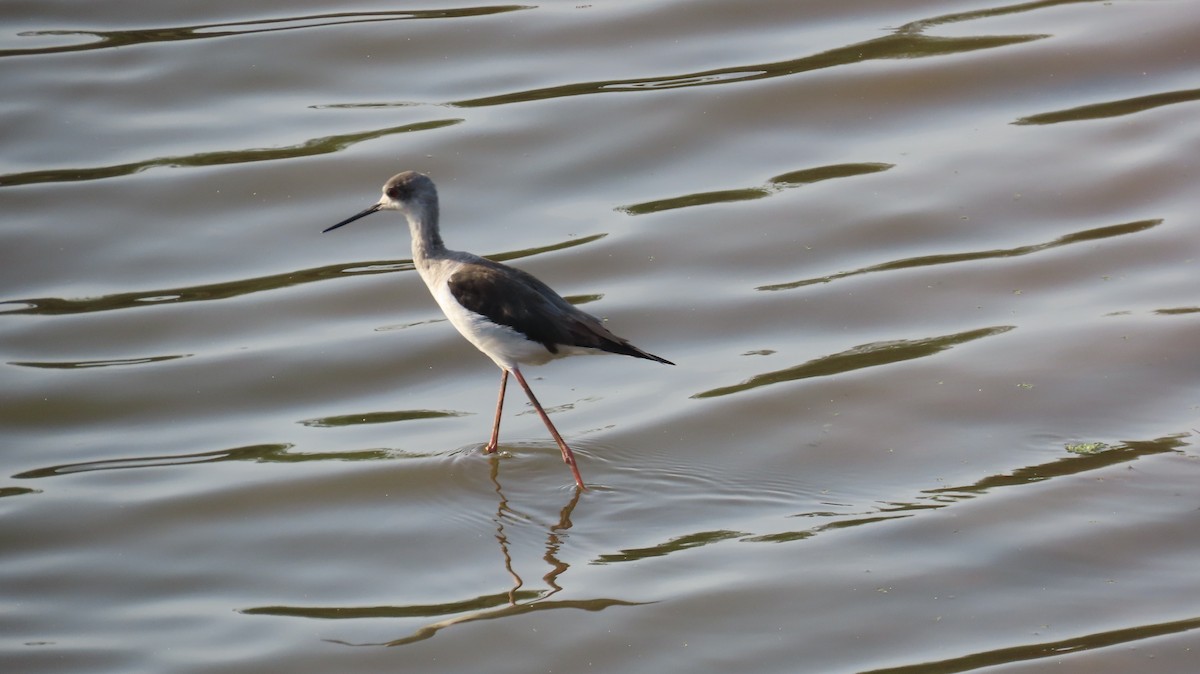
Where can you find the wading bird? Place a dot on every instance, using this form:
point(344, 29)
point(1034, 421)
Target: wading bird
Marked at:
point(509, 315)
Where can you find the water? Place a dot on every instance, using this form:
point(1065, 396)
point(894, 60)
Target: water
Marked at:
point(929, 271)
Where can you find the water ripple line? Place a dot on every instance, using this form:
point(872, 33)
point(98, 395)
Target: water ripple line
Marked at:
point(942, 497)
point(88, 364)
point(1094, 234)
point(309, 148)
point(1046, 649)
point(429, 631)
point(58, 306)
point(1120, 108)
point(898, 45)
point(125, 38)
point(874, 354)
point(776, 184)
point(266, 453)
point(344, 420)
point(905, 42)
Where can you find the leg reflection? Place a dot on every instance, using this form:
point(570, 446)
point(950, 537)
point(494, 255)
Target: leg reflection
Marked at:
point(554, 537)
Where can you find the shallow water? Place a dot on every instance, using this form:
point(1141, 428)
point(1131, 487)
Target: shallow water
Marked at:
point(928, 270)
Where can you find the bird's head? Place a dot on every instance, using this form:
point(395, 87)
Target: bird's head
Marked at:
point(407, 192)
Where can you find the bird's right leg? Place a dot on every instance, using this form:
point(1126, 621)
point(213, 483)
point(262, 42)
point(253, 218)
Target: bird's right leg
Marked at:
point(492, 444)
point(567, 455)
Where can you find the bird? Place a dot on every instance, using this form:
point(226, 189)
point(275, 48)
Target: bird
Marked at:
point(508, 314)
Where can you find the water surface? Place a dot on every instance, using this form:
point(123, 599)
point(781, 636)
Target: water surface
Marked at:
point(928, 270)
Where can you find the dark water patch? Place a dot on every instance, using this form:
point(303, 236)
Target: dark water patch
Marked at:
point(1110, 455)
point(369, 106)
point(970, 256)
point(786, 180)
point(857, 522)
point(379, 418)
point(128, 38)
point(674, 545)
point(1047, 649)
point(430, 631)
point(900, 45)
point(17, 491)
point(409, 611)
point(84, 364)
point(1178, 311)
point(57, 306)
point(310, 148)
point(272, 453)
point(530, 252)
point(781, 537)
point(848, 519)
point(1126, 106)
point(697, 199)
point(991, 12)
point(874, 354)
point(880, 514)
point(946, 496)
point(906, 42)
point(816, 175)
point(687, 81)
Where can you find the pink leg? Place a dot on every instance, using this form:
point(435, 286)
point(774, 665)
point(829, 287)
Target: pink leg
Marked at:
point(491, 445)
point(567, 455)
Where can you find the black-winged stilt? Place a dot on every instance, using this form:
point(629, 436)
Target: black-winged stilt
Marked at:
point(509, 315)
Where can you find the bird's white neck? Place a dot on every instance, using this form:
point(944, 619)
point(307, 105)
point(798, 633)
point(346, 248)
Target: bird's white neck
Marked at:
point(422, 218)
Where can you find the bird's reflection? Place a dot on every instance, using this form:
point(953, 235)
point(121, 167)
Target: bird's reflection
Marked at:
point(519, 601)
point(554, 538)
point(502, 508)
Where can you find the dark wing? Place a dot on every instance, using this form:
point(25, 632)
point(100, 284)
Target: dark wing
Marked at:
point(520, 301)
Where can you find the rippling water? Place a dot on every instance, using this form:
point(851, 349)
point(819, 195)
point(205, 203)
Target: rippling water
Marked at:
point(929, 272)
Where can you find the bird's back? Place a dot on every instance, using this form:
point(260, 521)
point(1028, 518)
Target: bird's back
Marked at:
point(544, 325)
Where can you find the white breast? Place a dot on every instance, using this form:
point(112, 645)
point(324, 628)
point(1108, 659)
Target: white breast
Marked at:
point(504, 345)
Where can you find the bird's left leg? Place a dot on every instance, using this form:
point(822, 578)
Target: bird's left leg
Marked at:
point(567, 455)
point(491, 445)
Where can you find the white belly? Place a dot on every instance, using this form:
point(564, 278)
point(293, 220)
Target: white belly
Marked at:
point(505, 346)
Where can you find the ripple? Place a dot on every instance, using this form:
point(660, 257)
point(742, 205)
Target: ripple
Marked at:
point(58, 306)
point(1076, 464)
point(1048, 649)
point(1177, 311)
point(430, 631)
point(902, 44)
point(83, 40)
point(1126, 106)
point(379, 418)
point(686, 81)
point(17, 491)
point(953, 258)
point(867, 355)
point(779, 182)
point(676, 544)
point(269, 453)
point(309, 148)
point(112, 362)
